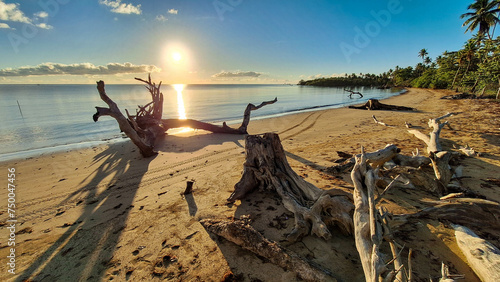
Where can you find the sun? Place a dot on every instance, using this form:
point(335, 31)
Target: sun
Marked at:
point(176, 56)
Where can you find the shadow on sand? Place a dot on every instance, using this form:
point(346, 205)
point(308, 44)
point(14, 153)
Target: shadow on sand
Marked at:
point(84, 251)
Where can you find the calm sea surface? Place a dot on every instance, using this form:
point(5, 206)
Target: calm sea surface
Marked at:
point(59, 117)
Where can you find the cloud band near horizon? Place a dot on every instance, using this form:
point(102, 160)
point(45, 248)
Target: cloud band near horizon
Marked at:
point(77, 69)
point(227, 74)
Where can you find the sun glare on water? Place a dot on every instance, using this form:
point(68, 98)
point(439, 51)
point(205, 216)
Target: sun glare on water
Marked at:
point(181, 110)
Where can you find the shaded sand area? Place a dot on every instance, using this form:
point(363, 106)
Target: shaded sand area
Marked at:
point(106, 213)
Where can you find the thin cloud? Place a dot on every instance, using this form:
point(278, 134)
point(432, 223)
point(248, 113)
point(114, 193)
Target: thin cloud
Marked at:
point(42, 14)
point(161, 18)
point(11, 12)
point(122, 8)
point(78, 69)
point(227, 74)
point(44, 26)
point(173, 11)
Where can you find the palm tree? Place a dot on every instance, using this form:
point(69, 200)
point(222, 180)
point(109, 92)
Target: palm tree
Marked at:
point(484, 15)
point(423, 53)
point(427, 60)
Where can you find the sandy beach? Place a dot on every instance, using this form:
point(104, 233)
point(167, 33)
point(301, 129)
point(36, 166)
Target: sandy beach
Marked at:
point(106, 213)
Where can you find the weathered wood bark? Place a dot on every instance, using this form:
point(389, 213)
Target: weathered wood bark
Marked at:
point(266, 167)
point(374, 104)
point(248, 238)
point(421, 178)
point(482, 216)
point(442, 170)
point(367, 229)
point(413, 161)
point(482, 256)
point(377, 159)
point(145, 143)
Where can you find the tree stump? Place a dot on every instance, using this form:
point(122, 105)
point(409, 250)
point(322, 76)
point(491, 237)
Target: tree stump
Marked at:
point(267, 168)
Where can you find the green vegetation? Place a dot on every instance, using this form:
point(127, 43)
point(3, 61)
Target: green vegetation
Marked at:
point(475, 68)
point(371, 80)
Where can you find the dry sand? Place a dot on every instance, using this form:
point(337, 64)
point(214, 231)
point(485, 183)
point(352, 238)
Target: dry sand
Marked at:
point(106, 213)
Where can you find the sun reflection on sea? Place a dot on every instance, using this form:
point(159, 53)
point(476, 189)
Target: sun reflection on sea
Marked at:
point(181, 110)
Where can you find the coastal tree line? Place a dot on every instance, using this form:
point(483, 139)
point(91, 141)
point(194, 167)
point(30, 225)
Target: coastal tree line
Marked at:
point(475, 68)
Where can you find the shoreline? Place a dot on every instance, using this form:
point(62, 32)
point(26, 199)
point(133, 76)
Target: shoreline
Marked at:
point(105, 212)
point(65, 148)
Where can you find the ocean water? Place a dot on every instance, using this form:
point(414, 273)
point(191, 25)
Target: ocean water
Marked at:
point(41, 118)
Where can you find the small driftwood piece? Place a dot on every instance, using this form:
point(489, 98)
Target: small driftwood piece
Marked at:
point(374, 104)
point(446, 276)
point(468, 151)
point(267, 168)
point(482, 256)
point(379, 122)
point(247, 237)
point(451, 196)
point(353, 93)
point(377, 159)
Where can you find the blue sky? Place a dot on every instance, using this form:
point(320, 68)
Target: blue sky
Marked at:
point(221, 41)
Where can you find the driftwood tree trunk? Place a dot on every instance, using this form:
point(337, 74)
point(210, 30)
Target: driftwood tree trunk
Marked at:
point(147, 124)
point(367, 229)
point(482, 256)
point(247, 237)
point(374, 104)
point(266, 167)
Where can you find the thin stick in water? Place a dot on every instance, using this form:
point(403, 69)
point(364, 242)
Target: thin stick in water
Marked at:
point(20, 109)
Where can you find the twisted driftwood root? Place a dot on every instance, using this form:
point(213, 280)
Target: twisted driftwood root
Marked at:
point(266, 167)
point(247, 237)
point(147, 124)
point(143, 139)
